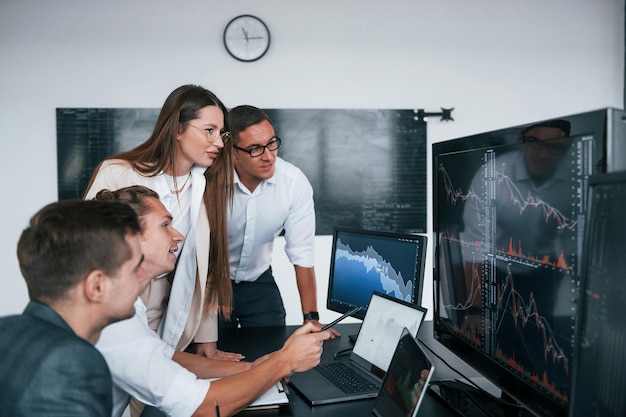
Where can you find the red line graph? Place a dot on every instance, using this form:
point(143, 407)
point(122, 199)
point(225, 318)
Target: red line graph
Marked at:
point(454, 195)
point(515, 196)
point(524, 202)
point(524, 311)
point(474, 291)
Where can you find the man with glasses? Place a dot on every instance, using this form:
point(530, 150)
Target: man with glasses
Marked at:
point(531, 207)
point(531, 189)
point(271, 196)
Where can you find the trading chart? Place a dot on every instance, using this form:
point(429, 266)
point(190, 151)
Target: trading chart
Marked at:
point(511, 246)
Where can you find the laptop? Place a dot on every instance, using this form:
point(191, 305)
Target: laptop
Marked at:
point(406, 380)
point(382, 327)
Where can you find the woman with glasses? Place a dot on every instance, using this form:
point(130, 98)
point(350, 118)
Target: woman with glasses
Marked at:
point(187, 161)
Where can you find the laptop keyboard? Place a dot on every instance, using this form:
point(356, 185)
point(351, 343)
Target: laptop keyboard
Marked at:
point(346, 378)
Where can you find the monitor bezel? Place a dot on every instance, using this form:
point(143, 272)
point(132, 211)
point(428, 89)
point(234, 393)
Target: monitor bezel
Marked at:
point(597, 180)
point(419, 273)
point(512, 386)
point(593, 123)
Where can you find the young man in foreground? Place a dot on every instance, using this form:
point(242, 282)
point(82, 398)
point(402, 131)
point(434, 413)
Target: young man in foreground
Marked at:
point(146, 368)
point(82, 264)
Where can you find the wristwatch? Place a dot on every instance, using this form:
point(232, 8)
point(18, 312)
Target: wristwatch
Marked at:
point(311, 315)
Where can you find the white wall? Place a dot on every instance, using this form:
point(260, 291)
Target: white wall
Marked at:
point(498, 63)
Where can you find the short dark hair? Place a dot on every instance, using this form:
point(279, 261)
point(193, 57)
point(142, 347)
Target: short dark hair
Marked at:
point(67, 240)
point(564, 125)
point(242, 117)
point(134, 195)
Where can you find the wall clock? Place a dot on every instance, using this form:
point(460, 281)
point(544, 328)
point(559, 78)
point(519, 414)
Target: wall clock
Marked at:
point(246, 38)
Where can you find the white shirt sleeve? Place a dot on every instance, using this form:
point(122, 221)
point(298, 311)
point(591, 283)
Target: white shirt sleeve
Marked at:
point(141, 364)
point(300, 224)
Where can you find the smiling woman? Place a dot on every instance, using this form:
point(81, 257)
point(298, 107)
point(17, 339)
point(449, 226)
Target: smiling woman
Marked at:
point(187, 161)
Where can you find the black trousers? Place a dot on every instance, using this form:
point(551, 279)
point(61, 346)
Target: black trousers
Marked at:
point(149, 411)
point(256, 304)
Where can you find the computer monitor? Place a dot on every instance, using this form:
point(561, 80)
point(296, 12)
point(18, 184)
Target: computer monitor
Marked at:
point(508, 221)
point(599, 376)
point(364, 261)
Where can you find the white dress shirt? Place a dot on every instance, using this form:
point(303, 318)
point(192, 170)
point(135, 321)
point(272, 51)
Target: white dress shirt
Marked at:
point(284, 201)
point(141, 365)
point(185, 320)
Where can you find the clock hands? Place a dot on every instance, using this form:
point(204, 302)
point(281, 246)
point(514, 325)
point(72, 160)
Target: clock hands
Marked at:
point(245, 35)
point(246, 38)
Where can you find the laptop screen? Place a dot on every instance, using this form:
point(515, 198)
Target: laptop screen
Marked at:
point(406, 380)
point(382, 327)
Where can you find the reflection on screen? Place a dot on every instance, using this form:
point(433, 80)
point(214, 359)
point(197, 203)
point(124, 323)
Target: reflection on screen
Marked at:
point(509, 227)
point(599, 379)
point(405, 382)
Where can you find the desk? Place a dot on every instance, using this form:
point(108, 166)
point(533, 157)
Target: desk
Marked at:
point(255, 342)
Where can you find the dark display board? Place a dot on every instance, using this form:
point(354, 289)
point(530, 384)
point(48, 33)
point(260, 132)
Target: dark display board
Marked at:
point(367, 166)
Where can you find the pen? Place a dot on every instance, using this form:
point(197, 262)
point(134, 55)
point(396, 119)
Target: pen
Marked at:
point(217, 409)
point(348, 313)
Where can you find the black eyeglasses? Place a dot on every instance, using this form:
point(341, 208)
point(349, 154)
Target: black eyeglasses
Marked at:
point(553, 146)
point(258, 150)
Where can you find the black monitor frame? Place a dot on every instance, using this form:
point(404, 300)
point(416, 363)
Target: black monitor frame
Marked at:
point(597, 383)
point(603, 126)
point(338, 305)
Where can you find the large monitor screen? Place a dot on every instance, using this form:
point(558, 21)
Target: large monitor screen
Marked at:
point(508, 224)
point(364, 261)
point(599, 377)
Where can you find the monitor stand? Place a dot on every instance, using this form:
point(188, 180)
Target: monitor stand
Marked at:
point(468, 401)
point(352, 337)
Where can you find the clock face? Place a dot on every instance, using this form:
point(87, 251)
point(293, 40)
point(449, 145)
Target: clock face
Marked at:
point(246, 38)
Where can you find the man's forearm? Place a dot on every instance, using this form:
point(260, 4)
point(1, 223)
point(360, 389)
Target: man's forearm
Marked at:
point(234, 393)
point(300, 352)
point(204, 367)
point(307, 287)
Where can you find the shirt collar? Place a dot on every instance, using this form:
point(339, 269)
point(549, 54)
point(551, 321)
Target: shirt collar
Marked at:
point(262, 185)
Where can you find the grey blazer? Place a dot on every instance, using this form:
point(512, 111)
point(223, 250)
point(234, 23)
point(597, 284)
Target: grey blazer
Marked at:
point(47, 370)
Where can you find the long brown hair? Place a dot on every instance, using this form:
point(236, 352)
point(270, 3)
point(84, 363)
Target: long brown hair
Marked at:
point(157, 154)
